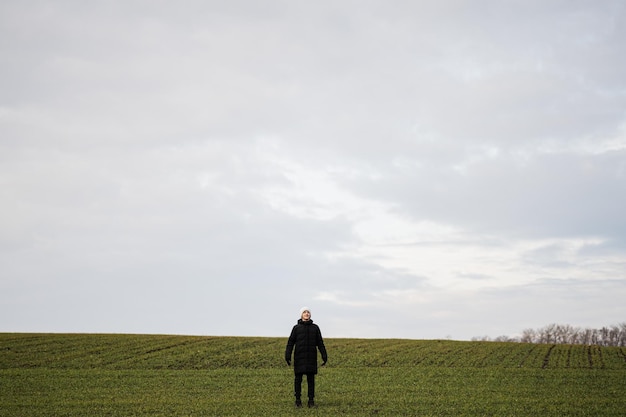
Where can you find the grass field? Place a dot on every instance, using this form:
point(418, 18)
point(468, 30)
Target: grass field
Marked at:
point(150, 375)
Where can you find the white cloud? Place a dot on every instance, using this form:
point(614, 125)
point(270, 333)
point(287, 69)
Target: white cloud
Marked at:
point(420, 164)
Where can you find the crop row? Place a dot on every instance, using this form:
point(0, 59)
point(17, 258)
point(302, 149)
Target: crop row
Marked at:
point(361, 391)
point(110, 351)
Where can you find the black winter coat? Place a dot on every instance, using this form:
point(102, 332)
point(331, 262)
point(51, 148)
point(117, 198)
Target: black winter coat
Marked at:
point(306, 337)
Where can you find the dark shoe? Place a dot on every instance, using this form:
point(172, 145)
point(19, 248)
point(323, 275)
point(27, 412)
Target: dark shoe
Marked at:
point(312, 404)
point(298, 404)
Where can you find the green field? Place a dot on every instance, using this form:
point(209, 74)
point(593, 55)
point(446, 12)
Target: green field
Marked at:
point(152, 375)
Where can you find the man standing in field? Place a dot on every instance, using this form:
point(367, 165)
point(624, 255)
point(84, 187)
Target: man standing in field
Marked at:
point(306, 337)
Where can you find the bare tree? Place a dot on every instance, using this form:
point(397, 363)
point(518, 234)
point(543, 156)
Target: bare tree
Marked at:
point(621, 334)
point(548, 334)
point(614, 335)
point(529, 336)
point(585, 337)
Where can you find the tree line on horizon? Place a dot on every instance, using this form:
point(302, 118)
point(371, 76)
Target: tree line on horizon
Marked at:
point(614, 335)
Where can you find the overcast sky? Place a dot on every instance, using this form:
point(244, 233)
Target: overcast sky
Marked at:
point(407, 169)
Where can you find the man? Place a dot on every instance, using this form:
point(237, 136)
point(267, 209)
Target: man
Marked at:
point(306, 337)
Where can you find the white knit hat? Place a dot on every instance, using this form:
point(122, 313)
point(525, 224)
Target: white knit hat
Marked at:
point(303, 309)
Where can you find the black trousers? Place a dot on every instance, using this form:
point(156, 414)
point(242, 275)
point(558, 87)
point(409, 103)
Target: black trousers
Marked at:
point(310, 381)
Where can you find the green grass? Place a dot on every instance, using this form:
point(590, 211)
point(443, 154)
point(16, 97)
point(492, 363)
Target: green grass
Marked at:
point(148, 375)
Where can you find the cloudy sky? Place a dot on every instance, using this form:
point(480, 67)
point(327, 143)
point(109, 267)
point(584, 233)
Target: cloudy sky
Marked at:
point(409, 169)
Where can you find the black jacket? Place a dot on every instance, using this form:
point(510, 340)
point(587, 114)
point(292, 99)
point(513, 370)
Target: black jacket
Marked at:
point(306, 337)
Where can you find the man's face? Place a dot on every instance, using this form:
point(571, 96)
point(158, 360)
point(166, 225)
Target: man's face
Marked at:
point(306, 315)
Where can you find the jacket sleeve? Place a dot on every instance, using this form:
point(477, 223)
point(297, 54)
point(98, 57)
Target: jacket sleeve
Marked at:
point(320, 345)
point(290, 344)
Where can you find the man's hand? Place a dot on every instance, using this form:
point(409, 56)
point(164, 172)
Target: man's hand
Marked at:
point(288, 362)
point(323, 363)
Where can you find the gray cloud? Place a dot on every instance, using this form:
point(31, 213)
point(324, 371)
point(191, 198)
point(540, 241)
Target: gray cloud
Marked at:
point(419, 164)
